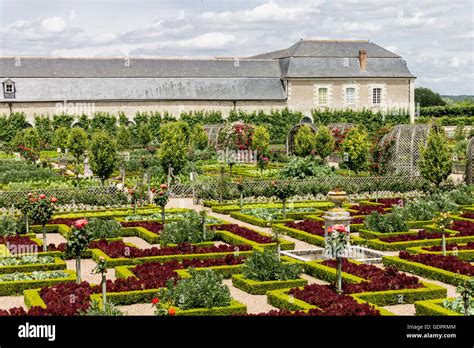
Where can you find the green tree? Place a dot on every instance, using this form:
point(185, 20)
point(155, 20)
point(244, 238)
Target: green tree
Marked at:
point(60, 137)
point(144, 134)
point(356, 147)
point(103, 155)
point(174, 142)
point(261, 139)
point(44, 127)
point(31, 139)
point(305, 141)
point(436, 162)
point(199, 137)
point(427, 97)
point(77, 142)
point(123, 137)
point(324, 142)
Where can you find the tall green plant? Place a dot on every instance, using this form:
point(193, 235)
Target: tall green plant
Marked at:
point(174, 144)
point(77, 142)
point(304, 141)
point(356, 145)
point(104, 155)
point(324, 142)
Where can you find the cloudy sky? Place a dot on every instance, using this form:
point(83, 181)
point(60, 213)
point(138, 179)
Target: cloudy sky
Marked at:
point(436, 37)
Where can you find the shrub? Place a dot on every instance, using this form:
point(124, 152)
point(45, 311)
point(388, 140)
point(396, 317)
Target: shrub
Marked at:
point(266, 265)
point(324, 142)
point(77, 142)
point(103, 228)
point(261, 140)
point(174, 145)
point(386, 223)
point(190, 229)
point(307, 167)
point(436, 162)
point(8, 226)
point(109, 309)
point(305, 141)
point(199, 138)
point(204, 289)
point(60, 137)
point(123, 137)
point(357, 146)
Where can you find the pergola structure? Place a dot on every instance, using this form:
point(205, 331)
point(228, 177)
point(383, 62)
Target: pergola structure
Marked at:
point(470, 162)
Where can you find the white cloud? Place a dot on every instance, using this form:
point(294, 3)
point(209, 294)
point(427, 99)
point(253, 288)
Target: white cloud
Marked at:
point(53, 25)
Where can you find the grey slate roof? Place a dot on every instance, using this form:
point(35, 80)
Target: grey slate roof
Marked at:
point(343, 67)
point(84, 89)
point(138, 67)
point(325, 48)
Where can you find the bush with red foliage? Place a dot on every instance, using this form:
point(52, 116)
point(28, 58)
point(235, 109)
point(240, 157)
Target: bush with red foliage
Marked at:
point(378, 279)
point(388, 202)
point(15, 311)
point(117, 249)
point(310, 226)
point(453, 246)
point(467, 215)
point(422, 234)
point(244, 232)
point(18, 243)
point(332, 304)
point(368, 209)
point(448, 263)
point(151, 226)
point(465, 228)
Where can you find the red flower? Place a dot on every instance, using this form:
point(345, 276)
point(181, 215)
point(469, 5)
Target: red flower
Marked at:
point(161, 193)
point(54, 199)
point(163, 186)
point(42, 196)
point(155, 300)
point(171, 311)
point(79, 224)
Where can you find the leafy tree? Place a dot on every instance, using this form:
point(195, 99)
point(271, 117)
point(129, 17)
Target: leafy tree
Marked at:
point(44, 127)
point(436, 162)
point(61, 137)
point(305, 141)
point(103, 155)
point(199, 137)
point(357, 146)
point(144, 134)
point(261, 139)
point(77, 142)
point(324, 142)
point(123, 137)
point(427, 97)
point(174, 143)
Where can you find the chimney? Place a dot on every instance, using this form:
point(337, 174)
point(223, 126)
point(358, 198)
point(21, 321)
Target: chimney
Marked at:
point(362, 60)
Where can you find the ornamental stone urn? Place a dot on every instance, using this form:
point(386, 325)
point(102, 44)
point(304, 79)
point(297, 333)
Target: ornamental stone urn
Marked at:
point(337, 196)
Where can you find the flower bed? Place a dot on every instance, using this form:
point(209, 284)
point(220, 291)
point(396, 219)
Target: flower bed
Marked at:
point(367, 209)
point(151, 226)
point(261, 287)
point(310, 226)
point(408, 237)
point(331, 303)
point(308, 237)
point(244, 232)
point(467, 246)
point(29, 263)
point(15, 283)
point(388, 202)
point(431, 272)
point(468, 215)
point(462, 251)
point(255, 220)
point(21, 244)
point(465, 228)
point(448, 263)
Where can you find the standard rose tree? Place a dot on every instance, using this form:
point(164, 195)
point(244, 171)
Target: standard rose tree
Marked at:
point(42, 210)
point(337, 241)
point(77, 242)
point(25, 206)
point(161, 198)
point(101, 269)
point(441, 222)
point(282, 191)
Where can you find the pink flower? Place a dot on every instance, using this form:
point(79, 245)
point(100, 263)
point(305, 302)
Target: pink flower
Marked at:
point(30, 194)
point(339, 228)
point(163, 186)
point(54, 199)
point(79, 224)
point(42, 196)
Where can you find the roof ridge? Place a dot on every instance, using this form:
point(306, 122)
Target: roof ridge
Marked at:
point(139, 58)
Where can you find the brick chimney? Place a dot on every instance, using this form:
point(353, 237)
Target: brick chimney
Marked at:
point(362, 60)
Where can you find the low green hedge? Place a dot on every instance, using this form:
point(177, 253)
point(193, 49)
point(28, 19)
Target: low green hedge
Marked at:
point(328, 274)
point(4, 251)
point(57, 264)
point(63, 230)
point(127, 297)
point(255, 287)
point(367, 234)
point(397, 246)
point(458, 217)
point(32, 298)
point(424, 270)
point(231, 238)
point(235, 308)
point(466, 255)
point(255, 220)
point(17, 287)
point(87, 214)
point(298, 234)
point(226, 209)
point(433, 308)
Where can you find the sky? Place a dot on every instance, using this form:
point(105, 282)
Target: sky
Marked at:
point(435, 37)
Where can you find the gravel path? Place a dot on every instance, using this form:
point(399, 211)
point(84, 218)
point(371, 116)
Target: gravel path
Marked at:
point(7, 302)
point(87, 266)
point(402, 309)
point(54, 238)
point(138, 309)
point(255, 303)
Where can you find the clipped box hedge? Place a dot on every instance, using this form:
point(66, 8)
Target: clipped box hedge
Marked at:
point(57, 264)
point(115, 213)
point(230, 238)
point(434, 308)
point(319, 205)
point(17, 287)
point(255, 220)
point(397, 246)
point(424, 270)
point(466, 255)
point(367, 234)
point(255, 287)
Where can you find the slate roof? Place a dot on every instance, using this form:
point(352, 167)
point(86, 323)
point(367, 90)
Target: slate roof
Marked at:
point(254, 78)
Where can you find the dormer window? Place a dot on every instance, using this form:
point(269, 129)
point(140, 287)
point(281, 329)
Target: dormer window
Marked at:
point(8, 89)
